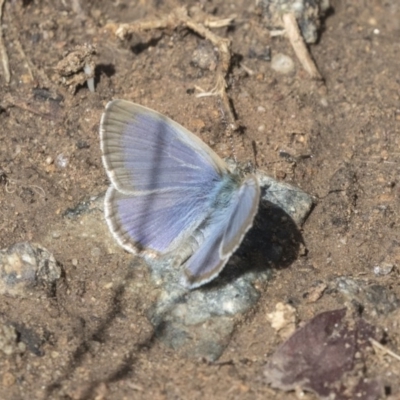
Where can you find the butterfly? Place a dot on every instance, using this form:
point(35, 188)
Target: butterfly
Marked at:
point(170, 194)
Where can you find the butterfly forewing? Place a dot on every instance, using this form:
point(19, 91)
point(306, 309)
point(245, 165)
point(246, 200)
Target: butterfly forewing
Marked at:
point(146, 151)
point(154, 221)
point(162, 176)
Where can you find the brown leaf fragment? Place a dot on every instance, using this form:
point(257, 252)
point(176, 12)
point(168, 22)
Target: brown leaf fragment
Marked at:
point(324, 357)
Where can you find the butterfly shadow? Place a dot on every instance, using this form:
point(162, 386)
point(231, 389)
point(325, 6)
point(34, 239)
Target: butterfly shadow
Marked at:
point(273, 242)
point(193, 322)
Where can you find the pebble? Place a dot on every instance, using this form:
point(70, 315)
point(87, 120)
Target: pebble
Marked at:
point(283, 319)
point(26, 266)
point(324, 102)
point(282, 64)
point(308, 15)
point(374, 298)
point(204, 57)
point(62, 161)
point(8, 339)
point(8, 379)
point(384, 269)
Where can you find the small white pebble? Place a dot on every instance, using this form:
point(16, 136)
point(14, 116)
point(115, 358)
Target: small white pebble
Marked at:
point(74, 262)
point(382, 270)
point(282, 63)
point(260, 109)
point(261, 128)
point(62, 161)
point(21, 347)
point(324, 102)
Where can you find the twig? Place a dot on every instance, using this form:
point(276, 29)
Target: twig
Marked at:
point(76, 7)
point(27, 62)
point(37, 189)
point(24, 106)
point(384, 349)
point(3, 51)
point(35, 73)
point(299, 47)
point(180, 17)
point(249, 71)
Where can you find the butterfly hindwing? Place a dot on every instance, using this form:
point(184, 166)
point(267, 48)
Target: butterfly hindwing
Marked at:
point(224, 234)
point(242, 215)
point(153, 222)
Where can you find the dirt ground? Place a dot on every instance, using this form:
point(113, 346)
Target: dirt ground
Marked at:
point(87, 340)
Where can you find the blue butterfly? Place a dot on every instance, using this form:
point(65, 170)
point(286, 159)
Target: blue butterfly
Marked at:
point(170, 194)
